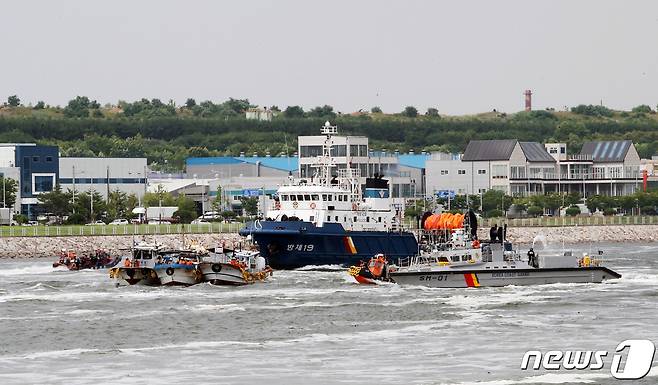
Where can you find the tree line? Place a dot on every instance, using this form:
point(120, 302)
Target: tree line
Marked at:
point(167, 133)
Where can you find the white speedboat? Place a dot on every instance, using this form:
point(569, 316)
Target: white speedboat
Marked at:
point(499, 265)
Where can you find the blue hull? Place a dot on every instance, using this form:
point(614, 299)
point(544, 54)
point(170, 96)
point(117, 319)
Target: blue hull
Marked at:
point(290, 245)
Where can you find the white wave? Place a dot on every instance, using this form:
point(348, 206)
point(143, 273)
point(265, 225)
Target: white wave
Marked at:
point(321, 267)
point(548, 378)
point(41, 268)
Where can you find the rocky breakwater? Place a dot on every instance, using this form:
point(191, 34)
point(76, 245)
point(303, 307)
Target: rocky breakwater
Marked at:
point(578, 234)
point(40, 247)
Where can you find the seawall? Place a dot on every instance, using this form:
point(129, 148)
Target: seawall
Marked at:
point(578, 234)
point(39, 247)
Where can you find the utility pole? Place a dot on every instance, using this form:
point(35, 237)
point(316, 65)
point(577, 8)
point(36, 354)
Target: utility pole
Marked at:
point(73, 204)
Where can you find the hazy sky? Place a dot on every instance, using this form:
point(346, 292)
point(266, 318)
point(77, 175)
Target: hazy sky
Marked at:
point(458, 56)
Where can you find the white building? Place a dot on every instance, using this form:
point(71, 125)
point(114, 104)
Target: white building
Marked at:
point(353, 152)
point(104, 175)
point(259, 114)
point(528, 168)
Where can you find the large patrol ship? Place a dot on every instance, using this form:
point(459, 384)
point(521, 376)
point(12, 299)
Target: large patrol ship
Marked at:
point(327, 219)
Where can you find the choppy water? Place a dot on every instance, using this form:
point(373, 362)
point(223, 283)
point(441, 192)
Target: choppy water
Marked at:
point(302, 327)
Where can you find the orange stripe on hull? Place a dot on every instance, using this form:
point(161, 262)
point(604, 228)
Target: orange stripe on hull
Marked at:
point(471, 280)
point(349, 245)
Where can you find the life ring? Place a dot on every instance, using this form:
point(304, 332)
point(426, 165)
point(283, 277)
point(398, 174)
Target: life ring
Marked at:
point(169, 271)
point(216, 267)
point(355, 206)
point(295, 204)
point(312, 205)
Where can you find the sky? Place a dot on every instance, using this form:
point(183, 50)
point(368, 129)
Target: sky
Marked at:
point(461, 57)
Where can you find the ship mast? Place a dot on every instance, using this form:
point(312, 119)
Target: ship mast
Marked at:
point(326, 162)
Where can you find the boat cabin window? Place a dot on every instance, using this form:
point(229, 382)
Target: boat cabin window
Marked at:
point(329, 197)
point(300, 197)
point(455, 258)
point(354, 219)
point(464, 258)
point(284, 197)
point(142, 254)
point(324, 197)
point(340, 198)
point(315, 197)
point(293, 198)
point(311, 218)
point(379, 219)
point(307, 197)
point(345, 198)
point(367, 219)
point(336, 218)
point(329, 218)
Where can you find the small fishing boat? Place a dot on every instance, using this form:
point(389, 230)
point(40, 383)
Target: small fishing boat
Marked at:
point(138, 267)
point(99, 259)
point(231, 267)
point(374, 271)
point(179, 268)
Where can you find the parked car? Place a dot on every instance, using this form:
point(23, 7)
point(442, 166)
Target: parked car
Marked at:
point(158, 222)
point(96, 223)
point(200, 221)
point(211, 215)
point(117, 222)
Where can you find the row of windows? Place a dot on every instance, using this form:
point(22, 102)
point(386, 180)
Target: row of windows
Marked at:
point(35, 158)
point(379, 219)
point(462, 172)
point(315, 197)
point(338, 150)
point(102, 180)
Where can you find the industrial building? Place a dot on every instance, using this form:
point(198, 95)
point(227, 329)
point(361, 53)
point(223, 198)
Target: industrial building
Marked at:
point(36, 168)
point(103, 175)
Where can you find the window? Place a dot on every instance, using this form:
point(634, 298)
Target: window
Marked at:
point(329, 219)
point(345, 198)
point(455, 258)
point(311, 218)
point(324, 197)
point(482, 172)
point(340, 198)
point(300, 197)
point(284, 198)
point(499, 171)
point(444, 172)
point(307, 197)
point(336, 218)
point(293, 197)
point(330, 196)
point(35, 159)
point(563, 150)
point(354, 219)
point(49, 159)
point(553, 150)
point(461, 172)
point(42, 183)
point(315, 197)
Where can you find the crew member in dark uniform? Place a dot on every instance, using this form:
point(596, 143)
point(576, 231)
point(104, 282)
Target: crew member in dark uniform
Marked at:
point(531, 257)
point(500, 234)
point(493, 232)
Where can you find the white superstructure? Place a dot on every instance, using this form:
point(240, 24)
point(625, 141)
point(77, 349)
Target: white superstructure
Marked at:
point(334, 195)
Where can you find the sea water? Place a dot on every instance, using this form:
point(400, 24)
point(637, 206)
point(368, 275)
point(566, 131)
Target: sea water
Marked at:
point(306, 326)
